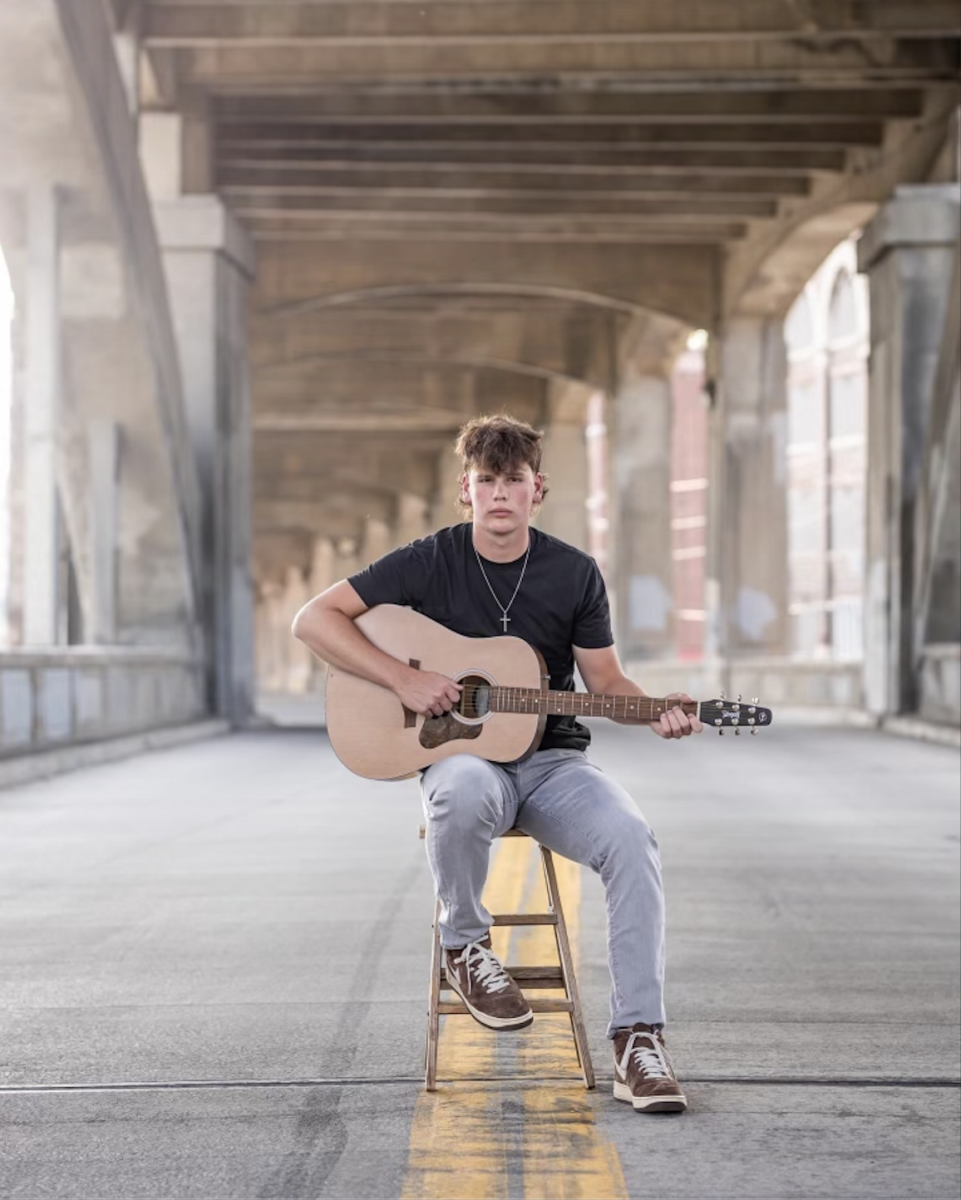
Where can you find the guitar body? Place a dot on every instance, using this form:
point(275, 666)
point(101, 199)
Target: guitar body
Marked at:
point(372, 733)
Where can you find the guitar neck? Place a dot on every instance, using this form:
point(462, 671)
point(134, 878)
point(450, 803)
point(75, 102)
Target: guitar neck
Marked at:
point(584, 704)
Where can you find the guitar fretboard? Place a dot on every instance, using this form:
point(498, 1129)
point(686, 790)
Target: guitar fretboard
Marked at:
point(583, 704)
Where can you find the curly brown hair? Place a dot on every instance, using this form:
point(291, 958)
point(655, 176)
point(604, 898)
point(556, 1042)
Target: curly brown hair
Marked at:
point(499, 444)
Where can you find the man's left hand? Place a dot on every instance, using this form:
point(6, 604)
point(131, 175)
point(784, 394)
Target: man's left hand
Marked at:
point(675, 723)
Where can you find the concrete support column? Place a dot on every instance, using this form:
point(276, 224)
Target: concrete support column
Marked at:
point(747, 569)
point(299, 660)
point(43, 404)
point(908, 253)
point(444, 509)
point(378, 539)
point(208, 261)
point(103, 456)
point(411, 518)
point(323, 574)
point(564, 514)
point(640, 501)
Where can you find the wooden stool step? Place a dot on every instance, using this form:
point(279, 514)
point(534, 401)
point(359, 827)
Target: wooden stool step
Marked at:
point(560, 975)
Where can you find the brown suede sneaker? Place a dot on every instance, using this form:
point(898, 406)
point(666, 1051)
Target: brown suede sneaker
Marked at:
point(643, 1072)
point(491, 996)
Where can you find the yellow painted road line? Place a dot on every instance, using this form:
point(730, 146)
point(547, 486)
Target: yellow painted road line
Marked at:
point(456, 1148)
point(565, 1155)
point(459, 1140)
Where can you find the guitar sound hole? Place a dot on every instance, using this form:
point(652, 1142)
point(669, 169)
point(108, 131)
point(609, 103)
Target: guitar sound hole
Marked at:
point(475, 699)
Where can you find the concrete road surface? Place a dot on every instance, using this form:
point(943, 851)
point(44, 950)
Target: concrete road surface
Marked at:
point(213, 972)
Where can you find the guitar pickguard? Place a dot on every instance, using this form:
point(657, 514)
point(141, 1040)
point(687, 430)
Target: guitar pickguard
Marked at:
point(437, 730)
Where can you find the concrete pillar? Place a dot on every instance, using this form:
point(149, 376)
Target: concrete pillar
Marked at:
point(127, 48)
point(640, 486)
point(747, 573)
point(176, 150)
point(208, 261)
point(322, 566)
point(272, 638)
point(411, 518)
point(43, 404)
point(347, 558)
point(908, 253)
point(299, 665)
point(103, 456)
point(444, 509)
point(323, 573)
point(598, 520)
point(564, 514)
point(378, 539)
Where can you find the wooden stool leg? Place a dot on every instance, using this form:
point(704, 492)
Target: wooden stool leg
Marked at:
point(567, 969)
point(433, 1015)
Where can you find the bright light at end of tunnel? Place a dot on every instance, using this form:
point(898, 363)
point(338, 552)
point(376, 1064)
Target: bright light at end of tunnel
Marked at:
point(697, 340)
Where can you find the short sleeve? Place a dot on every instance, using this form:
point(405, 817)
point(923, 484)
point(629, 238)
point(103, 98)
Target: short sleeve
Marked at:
point(398, 578)
point(592, 617)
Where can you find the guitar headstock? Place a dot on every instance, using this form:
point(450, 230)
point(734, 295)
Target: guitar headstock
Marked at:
point(734, 714)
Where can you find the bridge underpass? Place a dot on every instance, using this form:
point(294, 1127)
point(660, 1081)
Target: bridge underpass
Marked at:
point(266, 260)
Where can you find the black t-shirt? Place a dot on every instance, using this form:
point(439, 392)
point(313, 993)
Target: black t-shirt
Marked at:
point(561, 603)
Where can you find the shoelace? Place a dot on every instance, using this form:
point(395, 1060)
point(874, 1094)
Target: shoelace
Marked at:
point(484, 967)
point(650, 1057)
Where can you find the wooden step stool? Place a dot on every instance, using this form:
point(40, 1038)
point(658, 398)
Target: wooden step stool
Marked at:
point(560, 976)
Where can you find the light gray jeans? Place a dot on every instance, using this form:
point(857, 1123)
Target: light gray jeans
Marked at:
point(567, 804)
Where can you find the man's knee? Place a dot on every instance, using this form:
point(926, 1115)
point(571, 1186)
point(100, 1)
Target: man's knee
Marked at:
point(463, 791)
point(630, 840)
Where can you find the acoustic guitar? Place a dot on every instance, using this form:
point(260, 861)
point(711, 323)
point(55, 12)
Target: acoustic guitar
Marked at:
point(503, 707)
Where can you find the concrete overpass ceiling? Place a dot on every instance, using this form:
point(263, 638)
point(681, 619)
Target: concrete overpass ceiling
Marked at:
point(457, 205)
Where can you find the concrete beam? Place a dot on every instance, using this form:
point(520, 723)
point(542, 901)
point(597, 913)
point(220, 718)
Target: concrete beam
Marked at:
point(322, 515)
point(279, 196)
point(302, 468)
point(546, 103)
point(514, 23)
point(627, 135)
point(678, 280)
point(306, 226)
point(801, 60)
point(237, 144)
point(469, 181)
point(571, 343)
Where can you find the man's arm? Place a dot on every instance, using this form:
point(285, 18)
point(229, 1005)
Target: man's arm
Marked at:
point(326, 626)
point(602, 672)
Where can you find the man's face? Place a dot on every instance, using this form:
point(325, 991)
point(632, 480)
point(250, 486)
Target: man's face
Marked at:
point(502, 503)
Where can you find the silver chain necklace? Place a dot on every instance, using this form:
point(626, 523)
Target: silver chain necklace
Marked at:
point(505, 619)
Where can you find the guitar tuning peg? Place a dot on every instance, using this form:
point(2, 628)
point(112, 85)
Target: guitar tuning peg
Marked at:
point(755, 732)
point(754, 699)
point(720, 733)
point(737, 732)
point(739, 697)
point(723, 695)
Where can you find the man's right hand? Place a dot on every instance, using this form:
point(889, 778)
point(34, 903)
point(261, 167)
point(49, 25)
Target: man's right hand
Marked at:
point(427, 693)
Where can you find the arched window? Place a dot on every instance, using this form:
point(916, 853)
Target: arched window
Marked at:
point(827, 339)
point(799, 327)
point(842, 314)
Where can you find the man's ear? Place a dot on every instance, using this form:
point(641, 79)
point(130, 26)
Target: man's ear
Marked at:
point(464, 493)
point(538, 488)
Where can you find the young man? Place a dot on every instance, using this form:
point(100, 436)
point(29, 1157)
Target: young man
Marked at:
point(493, 575)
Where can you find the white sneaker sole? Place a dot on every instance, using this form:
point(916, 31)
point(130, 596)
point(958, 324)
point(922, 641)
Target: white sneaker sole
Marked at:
point(651, 1104)
point(488, 1021)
